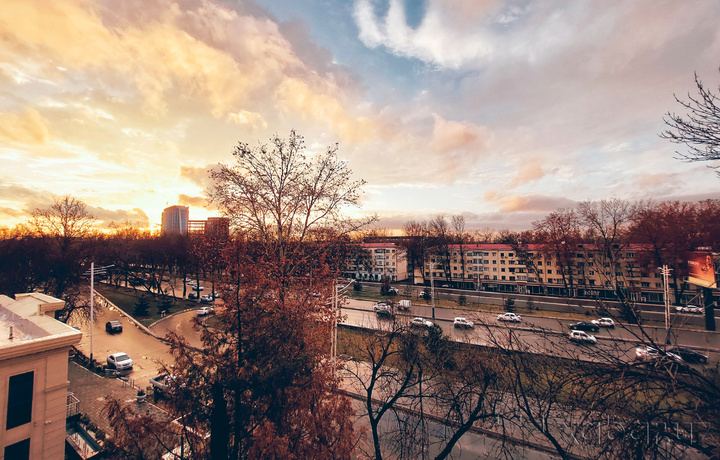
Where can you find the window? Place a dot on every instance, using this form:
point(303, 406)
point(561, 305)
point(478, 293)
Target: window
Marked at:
point(549, 272)
point(19, 450)
point(20, 399)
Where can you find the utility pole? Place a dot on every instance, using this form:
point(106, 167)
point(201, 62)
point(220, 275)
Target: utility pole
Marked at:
point(666, 295)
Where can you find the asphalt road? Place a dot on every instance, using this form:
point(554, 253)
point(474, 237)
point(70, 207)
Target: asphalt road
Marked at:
point(553, 339)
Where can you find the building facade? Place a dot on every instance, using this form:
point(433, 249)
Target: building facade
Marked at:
point(582, 270)
point(175, 220)
point(33, 377)
point(377, 260)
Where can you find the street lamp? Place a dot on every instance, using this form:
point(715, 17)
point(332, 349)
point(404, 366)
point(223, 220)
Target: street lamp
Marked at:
point(333, 338)
point(92, 272)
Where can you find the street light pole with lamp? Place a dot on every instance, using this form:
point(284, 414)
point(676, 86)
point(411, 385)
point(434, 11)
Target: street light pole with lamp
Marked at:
point(92, 272)
point(335, 304)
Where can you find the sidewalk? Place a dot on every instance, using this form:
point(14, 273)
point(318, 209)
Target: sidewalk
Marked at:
point(93, 391)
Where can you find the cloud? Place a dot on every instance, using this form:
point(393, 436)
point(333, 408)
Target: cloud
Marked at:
point(528, 173)
point(527, 203)
point(251, 119)
point(197, 175)
point(458, 136)
point(109, 218)
point(27, 127)
point(197, 201)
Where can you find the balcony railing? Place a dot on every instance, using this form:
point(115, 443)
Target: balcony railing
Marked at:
point(73, 405)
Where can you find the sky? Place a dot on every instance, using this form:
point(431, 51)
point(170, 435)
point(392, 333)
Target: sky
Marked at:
point(502, 111)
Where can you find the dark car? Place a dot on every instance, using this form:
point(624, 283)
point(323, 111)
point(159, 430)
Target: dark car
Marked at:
point(690, 356)
point(585, 326)
point(113, 326)
point(385, 313)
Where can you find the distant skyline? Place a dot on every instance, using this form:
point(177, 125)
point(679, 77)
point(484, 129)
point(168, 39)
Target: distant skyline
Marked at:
point(502, 111)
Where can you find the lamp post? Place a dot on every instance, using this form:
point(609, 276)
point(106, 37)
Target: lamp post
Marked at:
point(335, 304)
point(92, 272)
point(666, 295)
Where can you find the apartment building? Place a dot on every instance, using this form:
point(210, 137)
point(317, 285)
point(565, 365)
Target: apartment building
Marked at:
point(376, 260)
point(581, 270)
point(33, 377)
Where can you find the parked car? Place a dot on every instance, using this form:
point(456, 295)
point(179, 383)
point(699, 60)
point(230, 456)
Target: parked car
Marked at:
point(512, 317)
point(689, 355)
point(119, 361)
point(421, 322)
point(585, 326)
point(689, 309)
point(206, 298)
point(426, 295)
point(216, 294)
point(198, 288)
point(380, 306)
point(192, 295)
point(582, 337)
point(113, 326)
point(393, 291)
point(604, 322)
point(463, 322)
point(204, 311)
point(650, 354)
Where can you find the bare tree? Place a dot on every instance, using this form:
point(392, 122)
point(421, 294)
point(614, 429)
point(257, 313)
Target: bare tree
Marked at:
point(279, 195)
point(66, 227)
point(699, 129)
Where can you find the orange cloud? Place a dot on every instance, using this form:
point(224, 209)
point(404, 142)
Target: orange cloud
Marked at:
point(530, 172)
point(27, 127)
point(454, 135)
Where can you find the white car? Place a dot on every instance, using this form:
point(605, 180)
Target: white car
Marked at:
point(421, 322)
point(689, 309)
point(206, 298)
point(512, 317)
point(463, 322)
point(650, 353)
point(380, 306)
point(582, 336)
point(119, 361)
point(204, 311)
point(604, 322)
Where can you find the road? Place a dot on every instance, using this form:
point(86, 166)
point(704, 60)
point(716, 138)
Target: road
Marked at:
point(622, 339)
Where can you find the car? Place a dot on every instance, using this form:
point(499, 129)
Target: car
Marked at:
point(192, 295)
point(463, 322)
point(426, 295)
point(393, 291)
point(585, 326)
point(119, 361)
point(204, 311)
point(512, 317)
point(198, 288)
point(689, 309)
point(216, 294)
point(206, 298)
point(650, 354)
point(385, 313)
point(582, 337)
point(421, 322)
point(380, 306)
point(604, 322)
point(689, 355)
point(189, 281)
point(113, 326)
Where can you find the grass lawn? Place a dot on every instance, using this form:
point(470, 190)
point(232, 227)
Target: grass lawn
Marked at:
point(126, 299)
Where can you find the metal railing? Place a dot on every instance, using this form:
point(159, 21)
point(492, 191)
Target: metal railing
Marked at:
point(73, 405)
